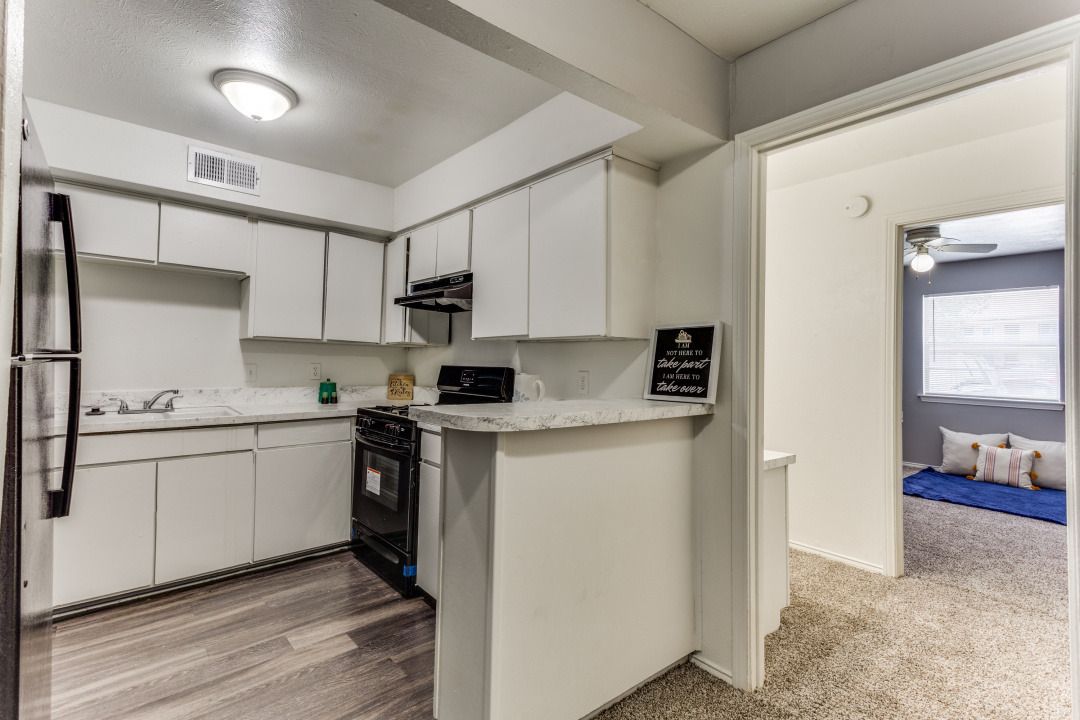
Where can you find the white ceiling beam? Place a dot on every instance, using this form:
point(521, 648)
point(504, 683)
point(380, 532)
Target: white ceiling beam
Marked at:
point(617, 54)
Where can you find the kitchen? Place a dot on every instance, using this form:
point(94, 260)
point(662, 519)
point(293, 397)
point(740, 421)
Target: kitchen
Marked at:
point(244, 289)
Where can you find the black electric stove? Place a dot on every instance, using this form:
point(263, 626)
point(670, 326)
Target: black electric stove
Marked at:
point(387, 467)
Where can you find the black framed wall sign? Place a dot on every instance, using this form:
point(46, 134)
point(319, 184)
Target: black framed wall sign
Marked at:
point(683, 363)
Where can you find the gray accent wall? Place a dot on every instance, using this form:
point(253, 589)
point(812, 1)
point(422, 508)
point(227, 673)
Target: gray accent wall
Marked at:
point(922, 439)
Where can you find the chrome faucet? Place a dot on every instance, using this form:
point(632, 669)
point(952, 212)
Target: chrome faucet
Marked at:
point(149, 404)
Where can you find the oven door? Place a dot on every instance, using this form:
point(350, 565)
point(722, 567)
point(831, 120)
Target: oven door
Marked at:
point(383, 488)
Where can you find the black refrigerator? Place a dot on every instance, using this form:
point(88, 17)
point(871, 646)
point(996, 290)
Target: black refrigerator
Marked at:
point(42, 430)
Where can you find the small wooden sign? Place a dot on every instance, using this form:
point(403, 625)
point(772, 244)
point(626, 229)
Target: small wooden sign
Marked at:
point(684, 360)
point(400, 387)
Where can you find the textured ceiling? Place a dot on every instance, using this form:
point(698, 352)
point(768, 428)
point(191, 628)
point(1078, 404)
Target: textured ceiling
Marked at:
point(731, 28)
point(382, 97)
point(1016, 232)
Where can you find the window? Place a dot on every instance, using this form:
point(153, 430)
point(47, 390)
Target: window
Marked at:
point(1002, 344)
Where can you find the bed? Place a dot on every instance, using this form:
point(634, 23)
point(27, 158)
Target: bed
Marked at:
point(1043, 504)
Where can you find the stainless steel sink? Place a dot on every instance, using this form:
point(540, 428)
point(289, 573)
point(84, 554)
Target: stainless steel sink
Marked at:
point(209, 411)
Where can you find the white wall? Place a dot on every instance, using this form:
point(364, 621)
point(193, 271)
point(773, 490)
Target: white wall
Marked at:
point(869, 42)
point(825, 309)
point(694, 214)
point(616, 367)
point(84, 146)
point(148, 328)
point(560, 130)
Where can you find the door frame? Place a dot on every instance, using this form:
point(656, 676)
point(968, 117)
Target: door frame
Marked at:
point(1056, 42)
point(894, 338)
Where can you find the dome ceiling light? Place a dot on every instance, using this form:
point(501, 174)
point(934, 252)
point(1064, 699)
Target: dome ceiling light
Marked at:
point(254, 95)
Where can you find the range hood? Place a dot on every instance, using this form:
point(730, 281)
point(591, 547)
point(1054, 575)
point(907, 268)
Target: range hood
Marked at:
point(449, 294)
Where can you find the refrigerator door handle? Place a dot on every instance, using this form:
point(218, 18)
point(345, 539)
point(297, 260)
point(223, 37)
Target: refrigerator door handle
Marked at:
point(60, 209)
point(60, 500)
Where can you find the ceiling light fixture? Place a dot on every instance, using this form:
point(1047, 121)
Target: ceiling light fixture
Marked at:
point(922, 262)
point(259, 97)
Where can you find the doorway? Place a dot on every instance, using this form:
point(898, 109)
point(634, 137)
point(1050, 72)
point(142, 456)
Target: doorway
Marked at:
point(832, 211)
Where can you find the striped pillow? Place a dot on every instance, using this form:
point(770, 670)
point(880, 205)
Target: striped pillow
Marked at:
point(1005, 466)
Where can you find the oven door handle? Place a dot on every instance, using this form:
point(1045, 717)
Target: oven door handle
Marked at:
point(389, 447)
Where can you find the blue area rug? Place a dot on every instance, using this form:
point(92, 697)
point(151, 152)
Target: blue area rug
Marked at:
point(1041, 504)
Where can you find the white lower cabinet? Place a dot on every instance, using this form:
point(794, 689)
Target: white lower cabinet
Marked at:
point(204, 516)
point(429, 529)
point(303, 498)
point(106, 544)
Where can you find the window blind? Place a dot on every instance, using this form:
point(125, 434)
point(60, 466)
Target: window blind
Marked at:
point(998, 344)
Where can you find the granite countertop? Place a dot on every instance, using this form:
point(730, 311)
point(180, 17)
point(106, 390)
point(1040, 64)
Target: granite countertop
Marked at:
point(215, 407)
point(775, 459)
point(551, 414)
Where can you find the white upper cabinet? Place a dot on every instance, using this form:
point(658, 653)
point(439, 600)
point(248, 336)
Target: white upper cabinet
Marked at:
point(402, 326)
point(592, 252)
point(284, 296)
point(500, 266)
point(394, 287)
point(453, 246)
point(441, 248)
point(201, 238)
point(354, 289)
point(112, 225)
point(423, 249)
point(568, 254)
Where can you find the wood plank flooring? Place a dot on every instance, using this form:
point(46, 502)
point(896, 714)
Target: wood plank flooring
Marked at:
point(322, 639)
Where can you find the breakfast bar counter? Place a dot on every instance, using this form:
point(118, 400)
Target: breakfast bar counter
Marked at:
point(568, 554)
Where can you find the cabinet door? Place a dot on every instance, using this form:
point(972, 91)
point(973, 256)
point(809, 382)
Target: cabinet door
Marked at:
point(205, 506)
point(288, 282)
point(204, 239)
point(452, 255)
point(500, 265)
point(113, 225)
point(354, 291)
point(394, 287)
point(106, 544)
point(568, 254)
point(429, 530)
point(302, 498)
point(423, 248)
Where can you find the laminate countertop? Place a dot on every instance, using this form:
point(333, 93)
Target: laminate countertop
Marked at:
point(552, 414)
point(216, 415)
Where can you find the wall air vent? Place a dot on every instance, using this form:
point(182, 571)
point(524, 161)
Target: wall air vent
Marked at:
point(209, 167)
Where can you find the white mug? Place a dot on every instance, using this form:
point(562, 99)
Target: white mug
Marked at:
point(528, 387)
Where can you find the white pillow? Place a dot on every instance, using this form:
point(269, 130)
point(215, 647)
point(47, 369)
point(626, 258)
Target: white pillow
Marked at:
point(1005, 466)
point(958, 453)
point(1049, 466)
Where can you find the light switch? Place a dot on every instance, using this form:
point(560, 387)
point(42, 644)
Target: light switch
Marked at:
point(581, 383)
point(251, 373)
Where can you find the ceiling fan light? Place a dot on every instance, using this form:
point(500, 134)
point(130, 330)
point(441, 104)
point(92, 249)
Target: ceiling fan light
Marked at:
point(922, 262)
point(256, 96)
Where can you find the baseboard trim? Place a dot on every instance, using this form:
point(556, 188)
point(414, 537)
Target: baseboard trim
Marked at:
point(712, 668)
point(861, 565)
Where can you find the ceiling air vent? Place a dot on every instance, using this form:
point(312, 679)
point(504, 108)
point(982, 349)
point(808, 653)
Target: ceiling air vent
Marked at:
point(209, 167)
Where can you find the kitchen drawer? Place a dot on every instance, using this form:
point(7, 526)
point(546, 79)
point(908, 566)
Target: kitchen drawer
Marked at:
point(304, 432)
point(124, 447)
point(431, 447)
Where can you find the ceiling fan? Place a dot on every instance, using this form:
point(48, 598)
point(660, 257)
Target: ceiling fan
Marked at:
point(920, 241)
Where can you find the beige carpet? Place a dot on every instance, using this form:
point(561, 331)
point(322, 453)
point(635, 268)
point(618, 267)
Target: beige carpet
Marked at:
point(978, 629)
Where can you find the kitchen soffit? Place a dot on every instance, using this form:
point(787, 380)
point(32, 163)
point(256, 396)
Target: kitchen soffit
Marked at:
point(730, 28)
point(382, 97)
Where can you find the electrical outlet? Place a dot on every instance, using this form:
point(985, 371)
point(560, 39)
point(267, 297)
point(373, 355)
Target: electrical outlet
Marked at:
point(581, 383)
point(251, 373)
point(315, 371)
